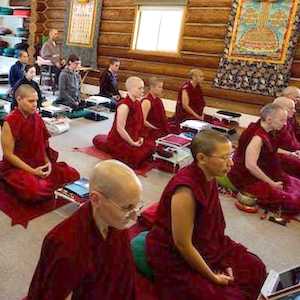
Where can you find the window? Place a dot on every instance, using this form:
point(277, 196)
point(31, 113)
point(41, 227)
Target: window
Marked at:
point(158, 28)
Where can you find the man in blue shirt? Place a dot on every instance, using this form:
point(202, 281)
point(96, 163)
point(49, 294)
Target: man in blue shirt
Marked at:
point(16, 71)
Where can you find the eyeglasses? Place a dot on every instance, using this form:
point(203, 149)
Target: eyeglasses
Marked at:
point(129, 211)
point(225, 157)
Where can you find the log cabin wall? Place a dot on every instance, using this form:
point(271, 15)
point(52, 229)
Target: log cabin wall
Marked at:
point(202, 46)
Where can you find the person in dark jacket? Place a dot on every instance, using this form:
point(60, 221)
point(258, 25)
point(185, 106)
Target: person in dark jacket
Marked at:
point(108, 83)
point(29, 74)
point(16, 71)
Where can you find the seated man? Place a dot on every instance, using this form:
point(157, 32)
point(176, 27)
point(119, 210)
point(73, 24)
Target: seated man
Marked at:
point(108, 83)
point(125, 141)
point(88, 255)
point(51, 51)
point(190, 254)
point(69, 84)
point(155, 118)
point(16, 71)
point(257, 169)
point(190, 101)
point(29, 165)
point(287, 142)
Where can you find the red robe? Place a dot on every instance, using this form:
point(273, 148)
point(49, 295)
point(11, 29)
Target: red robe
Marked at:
point(75, 258)
point(196, 102)
point(31, 145)
point(287, 139)
point(156, 117)
point(174, 277)
point(119, 148)
point(289, 198)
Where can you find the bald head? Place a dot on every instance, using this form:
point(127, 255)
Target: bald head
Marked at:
point(269, 110)
point(53, 34)
point(132, 82)
point(135, 87)
point(24, 90)
point(115, 180)
point(292, 92)
point(286, 103)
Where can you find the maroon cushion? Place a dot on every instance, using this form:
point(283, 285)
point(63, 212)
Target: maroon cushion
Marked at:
point(99, 142)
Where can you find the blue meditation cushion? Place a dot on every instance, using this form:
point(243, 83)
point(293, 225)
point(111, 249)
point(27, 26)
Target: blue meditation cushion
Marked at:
point(139, 254)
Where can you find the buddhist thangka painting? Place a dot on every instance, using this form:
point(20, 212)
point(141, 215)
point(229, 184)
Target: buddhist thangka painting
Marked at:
point(259, 46)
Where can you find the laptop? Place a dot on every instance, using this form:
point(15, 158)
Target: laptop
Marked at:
point(281, 282)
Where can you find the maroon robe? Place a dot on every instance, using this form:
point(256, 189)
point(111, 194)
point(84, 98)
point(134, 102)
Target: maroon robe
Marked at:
point(289, 198)
point(287, 139)
point(119, 148)
point(174, 277)
point(75, 258)
point(196, 102)
point(156, 117)
point(31, 146)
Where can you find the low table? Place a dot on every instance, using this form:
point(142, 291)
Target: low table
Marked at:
point(179, 146)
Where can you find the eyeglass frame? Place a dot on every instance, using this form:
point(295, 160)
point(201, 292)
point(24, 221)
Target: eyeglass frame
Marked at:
point(136, 210)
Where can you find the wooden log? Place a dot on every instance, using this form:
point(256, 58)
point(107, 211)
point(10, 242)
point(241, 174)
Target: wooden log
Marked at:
point(116, 27)
point(294, 82)
point(207, 15)
point(56, 4)
point(295, 71)
point(118, 14)
point(157, 68)
point(209, 3)
point(204, 31)
point(246, 108)
point(173, 84)
point(59, 25)
point(55, 13)
point(114, 3)
point(203, 46)
point(20, 2)
point(193, 60)
point(115, 40)
point(41, 7)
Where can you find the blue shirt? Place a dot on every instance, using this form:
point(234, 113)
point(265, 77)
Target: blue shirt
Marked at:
point(16, 73)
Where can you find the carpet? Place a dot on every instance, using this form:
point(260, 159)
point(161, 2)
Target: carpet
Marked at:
point(22, 213)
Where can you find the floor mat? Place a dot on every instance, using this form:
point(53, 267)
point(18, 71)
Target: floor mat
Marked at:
point(91, 150)
point(22, 213)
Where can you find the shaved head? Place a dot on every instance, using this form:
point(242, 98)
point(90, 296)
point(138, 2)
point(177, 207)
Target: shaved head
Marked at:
point(115, 191)
point(292, 92)
point(135, 87)
point(206, 142)
point(269, 110)
point(114, 179)
point(53, 34)
point(132, 82)
point(24, 90)
point(286, 103)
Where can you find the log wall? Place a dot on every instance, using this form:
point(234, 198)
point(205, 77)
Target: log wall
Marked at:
point(202, 46)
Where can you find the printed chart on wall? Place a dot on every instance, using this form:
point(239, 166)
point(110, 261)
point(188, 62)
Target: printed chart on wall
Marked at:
point(82, 19)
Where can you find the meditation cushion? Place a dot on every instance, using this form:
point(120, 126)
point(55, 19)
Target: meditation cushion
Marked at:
point(99, 141)
point(139, 254)
point(225, 182)
point(148, 216)
point(77, 114)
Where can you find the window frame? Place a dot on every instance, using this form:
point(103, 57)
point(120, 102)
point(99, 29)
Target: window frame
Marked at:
point(176, 53)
